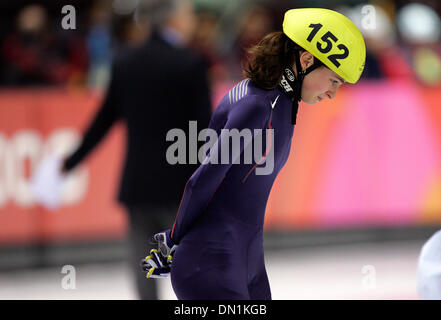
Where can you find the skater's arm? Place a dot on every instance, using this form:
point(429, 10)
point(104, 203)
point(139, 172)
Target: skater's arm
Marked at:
point(252, 112)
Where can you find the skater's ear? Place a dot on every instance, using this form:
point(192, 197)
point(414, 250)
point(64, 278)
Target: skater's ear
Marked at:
point(306, 60)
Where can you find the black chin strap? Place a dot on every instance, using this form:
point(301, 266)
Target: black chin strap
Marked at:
point(292, 85)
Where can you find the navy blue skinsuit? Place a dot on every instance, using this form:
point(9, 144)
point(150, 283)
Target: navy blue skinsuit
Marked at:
point(219, 224)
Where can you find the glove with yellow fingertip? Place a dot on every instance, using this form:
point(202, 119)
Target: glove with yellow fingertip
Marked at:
point(158, 263)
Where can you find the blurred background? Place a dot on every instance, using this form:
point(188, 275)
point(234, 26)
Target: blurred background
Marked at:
point(349, 212)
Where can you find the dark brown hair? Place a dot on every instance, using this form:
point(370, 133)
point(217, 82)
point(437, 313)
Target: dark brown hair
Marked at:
point(267, 59)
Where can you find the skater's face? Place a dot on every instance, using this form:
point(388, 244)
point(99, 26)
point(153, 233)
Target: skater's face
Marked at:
point(319, 84)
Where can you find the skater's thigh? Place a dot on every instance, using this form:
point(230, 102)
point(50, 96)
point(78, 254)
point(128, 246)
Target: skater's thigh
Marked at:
point(259, 288)
point(208, 272)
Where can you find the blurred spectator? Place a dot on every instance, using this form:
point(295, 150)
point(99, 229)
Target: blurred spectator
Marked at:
point(134, 33)
point(384, 58)
point(205, 41)
point(99, 43)
point(420, 30)
point(35, 55)
point(158, 86)
point(255, 24)
point(129, 32)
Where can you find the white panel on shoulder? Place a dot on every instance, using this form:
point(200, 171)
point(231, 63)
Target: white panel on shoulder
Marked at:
point(238, 91)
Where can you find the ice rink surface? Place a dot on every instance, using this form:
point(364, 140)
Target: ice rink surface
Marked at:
point(353, 271)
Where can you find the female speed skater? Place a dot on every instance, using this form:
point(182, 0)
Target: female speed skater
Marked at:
point(215, 248)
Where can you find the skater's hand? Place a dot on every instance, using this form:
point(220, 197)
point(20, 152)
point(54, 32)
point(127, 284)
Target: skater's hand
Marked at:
point(158, 263)
point(166, 246)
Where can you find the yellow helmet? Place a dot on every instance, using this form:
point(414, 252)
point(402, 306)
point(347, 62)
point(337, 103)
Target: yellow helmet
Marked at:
point(330, 37)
